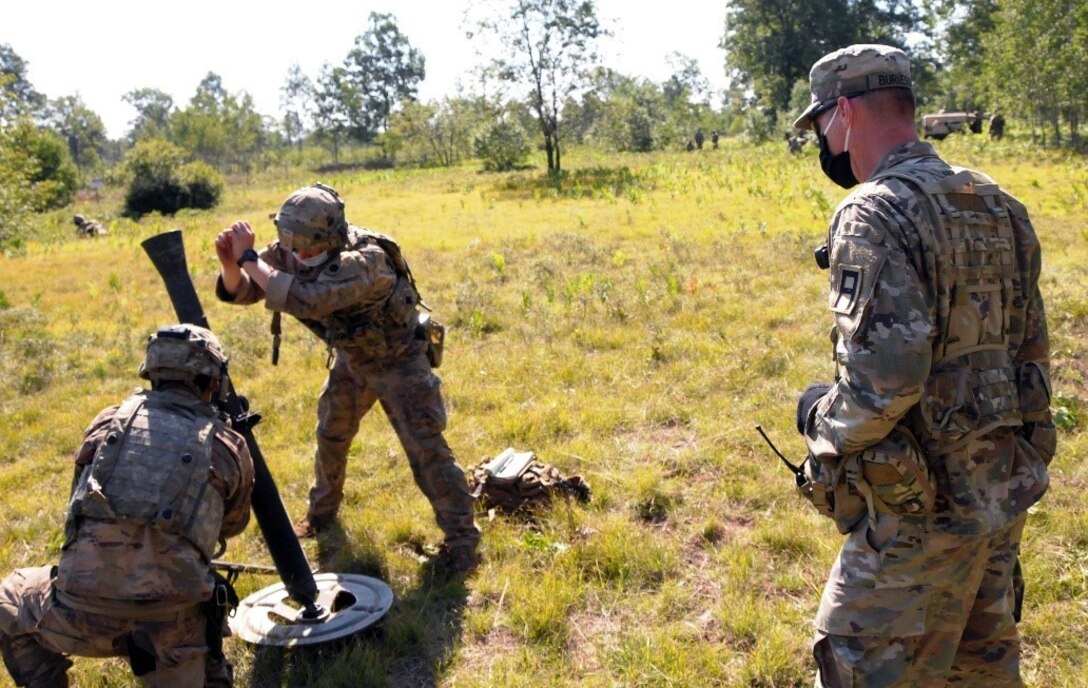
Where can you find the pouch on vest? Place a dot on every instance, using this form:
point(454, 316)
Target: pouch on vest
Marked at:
point(893, 476)
point(433, 334)
point(830, 493)
point(1033, 383)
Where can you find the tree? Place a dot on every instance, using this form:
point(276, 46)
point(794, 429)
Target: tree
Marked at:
point(82, 128)
point(440, 133)
point(16, 197)
point(334, 102)
point(383, 69)
point(219, 127)
point(49, 174)
point(687, 82)
point(550, 47)
point(297, 102)
point(966, 23)
point(502, 146)
point(1050, 88)
point(770, 44)
point(153, 111)
point(21, 97)
point(633, 115)
point(210, 95)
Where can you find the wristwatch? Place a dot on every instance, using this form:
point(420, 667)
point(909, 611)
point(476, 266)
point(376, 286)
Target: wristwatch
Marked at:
point(247, 256)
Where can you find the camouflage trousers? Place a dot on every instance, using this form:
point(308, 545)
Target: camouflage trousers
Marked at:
point(38, 632)
point(907, 607)
point(411, 397)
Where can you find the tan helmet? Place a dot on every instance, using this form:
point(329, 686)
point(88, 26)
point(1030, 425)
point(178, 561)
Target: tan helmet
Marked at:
point(78, 219)
point(312, 218)
point(181, 353)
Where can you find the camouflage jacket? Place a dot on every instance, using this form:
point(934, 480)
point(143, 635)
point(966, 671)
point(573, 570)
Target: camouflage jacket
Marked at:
point(354, 301)
point(904, 311)
point(111, 563)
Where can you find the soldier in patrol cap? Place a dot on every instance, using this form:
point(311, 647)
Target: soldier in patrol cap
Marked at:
point(935, 436)
point(354, 290)
point(160, 483)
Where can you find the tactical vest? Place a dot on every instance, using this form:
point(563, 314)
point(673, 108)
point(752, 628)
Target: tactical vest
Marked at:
point(398, 311)
point(153, 468)
point(972, 386)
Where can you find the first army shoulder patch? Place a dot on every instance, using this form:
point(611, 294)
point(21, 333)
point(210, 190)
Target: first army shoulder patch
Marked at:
point(856, 262)
point(847, 286)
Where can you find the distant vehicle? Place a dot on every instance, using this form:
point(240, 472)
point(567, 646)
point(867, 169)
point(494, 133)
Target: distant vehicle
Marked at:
point(941, 124)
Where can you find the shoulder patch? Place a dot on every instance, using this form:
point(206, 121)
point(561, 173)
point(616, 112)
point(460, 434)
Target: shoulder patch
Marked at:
point(856, 261)
point(848, 281)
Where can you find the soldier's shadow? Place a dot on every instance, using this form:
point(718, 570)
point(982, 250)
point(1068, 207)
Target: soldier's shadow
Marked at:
point(402, 650)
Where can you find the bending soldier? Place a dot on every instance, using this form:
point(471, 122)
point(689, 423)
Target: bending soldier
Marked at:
point(88, 228)
point(934, 439)
point(160, 482)
point(353, 289)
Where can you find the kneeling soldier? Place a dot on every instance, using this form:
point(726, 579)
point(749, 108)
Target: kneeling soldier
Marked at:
point(160, 483)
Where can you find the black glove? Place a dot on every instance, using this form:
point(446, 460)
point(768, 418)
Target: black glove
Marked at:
point(812, 394)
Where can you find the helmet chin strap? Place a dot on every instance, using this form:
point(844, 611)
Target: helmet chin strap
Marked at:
point(224, 378)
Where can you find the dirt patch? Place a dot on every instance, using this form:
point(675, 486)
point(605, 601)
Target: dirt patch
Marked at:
point(653, 439)
point(476, 658)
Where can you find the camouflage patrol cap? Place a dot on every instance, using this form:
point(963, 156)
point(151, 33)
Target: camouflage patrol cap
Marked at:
point(852, 71)
point(182, 352)
point(312, 218)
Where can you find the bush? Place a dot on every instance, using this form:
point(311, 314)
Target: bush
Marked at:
point(201, 185)
point(49, 175)
point(159, 179)
point(503, 147)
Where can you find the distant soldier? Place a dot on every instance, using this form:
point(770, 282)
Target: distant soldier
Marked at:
point(974, 122)
point(160, 482)
point(699, 139)
point(88, 228)
point(714, 139)
point(796, 143)
point(997, 126)
point(690, 147)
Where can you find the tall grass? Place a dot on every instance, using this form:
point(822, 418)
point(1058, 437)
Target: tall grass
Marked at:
point(630, 323)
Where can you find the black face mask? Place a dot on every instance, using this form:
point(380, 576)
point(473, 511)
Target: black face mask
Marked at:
point(836, 167)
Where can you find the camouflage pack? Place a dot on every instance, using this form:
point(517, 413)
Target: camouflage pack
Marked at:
point(517, 481)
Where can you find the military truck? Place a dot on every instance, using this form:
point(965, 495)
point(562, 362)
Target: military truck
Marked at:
point(941, 124)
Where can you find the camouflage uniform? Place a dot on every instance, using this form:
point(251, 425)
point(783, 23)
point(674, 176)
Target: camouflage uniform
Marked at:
point(366, 313)
point(940, 334)
point(125, 587)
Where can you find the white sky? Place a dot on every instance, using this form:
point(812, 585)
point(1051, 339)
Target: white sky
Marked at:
point(102, 50)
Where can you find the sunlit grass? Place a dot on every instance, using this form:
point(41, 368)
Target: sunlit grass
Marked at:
point(630, 324)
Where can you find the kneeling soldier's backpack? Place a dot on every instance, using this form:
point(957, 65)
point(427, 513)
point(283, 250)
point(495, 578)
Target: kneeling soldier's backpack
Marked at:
point(516, 481)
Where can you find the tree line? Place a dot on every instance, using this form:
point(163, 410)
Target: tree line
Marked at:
point(539, 84)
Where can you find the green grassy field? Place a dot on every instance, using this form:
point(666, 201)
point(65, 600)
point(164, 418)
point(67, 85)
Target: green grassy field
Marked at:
point(632, 326)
